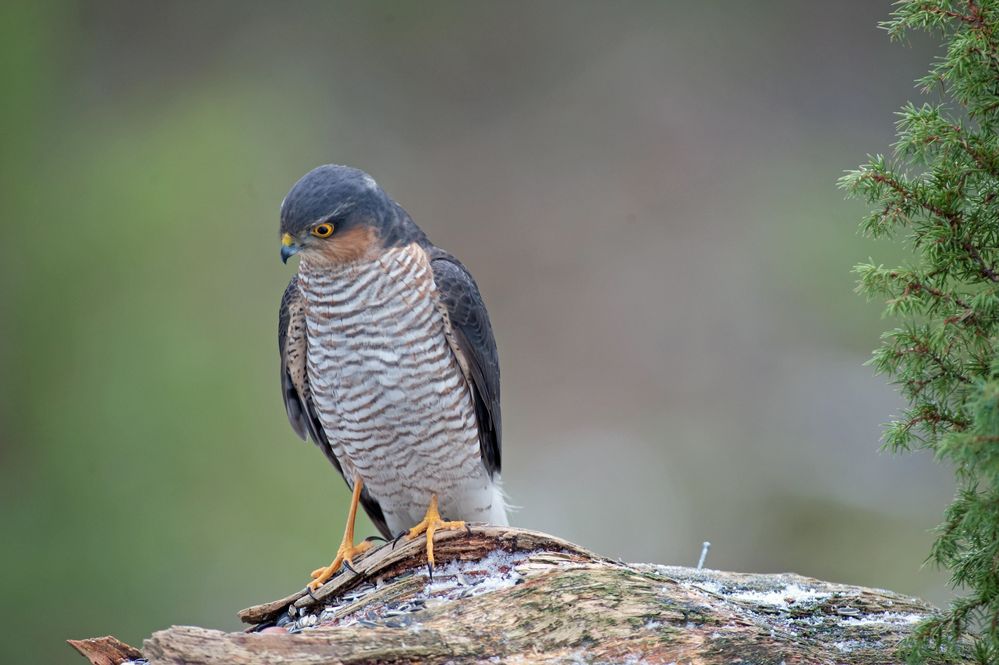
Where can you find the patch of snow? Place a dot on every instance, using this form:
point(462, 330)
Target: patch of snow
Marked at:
point(464, 579)
point(792, 594)
point(848, 646)
point(884, 618)
point(457, 579)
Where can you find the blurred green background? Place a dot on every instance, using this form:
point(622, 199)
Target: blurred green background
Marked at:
point(644, 191)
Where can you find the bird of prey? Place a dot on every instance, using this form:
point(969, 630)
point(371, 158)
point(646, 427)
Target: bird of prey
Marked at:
point(388, 362)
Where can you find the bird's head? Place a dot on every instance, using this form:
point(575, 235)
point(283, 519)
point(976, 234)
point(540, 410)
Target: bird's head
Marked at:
point(336, 214)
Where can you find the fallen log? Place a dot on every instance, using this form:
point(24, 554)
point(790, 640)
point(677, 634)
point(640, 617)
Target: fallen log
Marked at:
point(514, 595)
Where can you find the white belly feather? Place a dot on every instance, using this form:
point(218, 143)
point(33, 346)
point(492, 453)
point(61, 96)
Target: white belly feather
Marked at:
point(389, 392)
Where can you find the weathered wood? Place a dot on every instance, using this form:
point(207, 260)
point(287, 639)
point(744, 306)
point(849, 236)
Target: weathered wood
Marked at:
point(105, 650)
point(521, 596)
point(393, 558)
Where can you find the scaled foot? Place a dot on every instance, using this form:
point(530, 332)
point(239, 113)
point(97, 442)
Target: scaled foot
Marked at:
point(344, 554)
point(431, 524)
point(347, 550)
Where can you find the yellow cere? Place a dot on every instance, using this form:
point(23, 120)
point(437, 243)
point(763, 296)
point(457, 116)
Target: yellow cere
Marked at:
point(286, 240)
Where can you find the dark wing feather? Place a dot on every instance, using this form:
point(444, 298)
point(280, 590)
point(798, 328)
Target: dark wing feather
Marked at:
point(292, 345)
point(293, 402)
point(473, 336)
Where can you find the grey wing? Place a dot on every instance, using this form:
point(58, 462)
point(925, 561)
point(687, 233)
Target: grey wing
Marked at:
point(476, 348)
point(293, 347)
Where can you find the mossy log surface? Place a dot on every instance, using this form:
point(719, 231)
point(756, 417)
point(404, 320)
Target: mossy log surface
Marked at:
point(511, 595)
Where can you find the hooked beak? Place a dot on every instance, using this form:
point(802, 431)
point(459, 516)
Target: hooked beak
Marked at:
point(288, 247)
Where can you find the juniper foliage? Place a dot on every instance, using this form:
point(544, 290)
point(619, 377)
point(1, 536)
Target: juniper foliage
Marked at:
point(937, 192)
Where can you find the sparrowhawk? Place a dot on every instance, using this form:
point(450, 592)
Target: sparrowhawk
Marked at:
point(388, 362)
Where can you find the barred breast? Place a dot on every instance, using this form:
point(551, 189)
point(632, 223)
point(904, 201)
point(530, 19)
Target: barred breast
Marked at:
point(389, 391)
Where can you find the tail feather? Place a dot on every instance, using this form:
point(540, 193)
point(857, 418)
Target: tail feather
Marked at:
point(498, 511)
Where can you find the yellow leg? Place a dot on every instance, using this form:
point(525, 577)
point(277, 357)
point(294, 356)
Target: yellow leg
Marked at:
point(432, 523)
point(347, 550)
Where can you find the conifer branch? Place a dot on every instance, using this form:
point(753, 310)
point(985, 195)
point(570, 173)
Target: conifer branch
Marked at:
point(942, 191)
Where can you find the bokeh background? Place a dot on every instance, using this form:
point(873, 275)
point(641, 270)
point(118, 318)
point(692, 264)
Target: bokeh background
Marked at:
point(645, 192)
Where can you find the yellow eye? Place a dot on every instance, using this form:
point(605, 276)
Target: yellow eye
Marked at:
point(322, 230)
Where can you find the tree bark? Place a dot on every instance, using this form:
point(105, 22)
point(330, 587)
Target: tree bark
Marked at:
point(513, 595)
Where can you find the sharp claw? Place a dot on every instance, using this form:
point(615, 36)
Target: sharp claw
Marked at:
point(370, 538)
point(397, 539)
point(346, 564)
point(430, 571)
point(468, 529)
point(308, 590)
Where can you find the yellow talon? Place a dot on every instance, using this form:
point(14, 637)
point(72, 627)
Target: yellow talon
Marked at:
point(430, 524)
point(347, 550)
